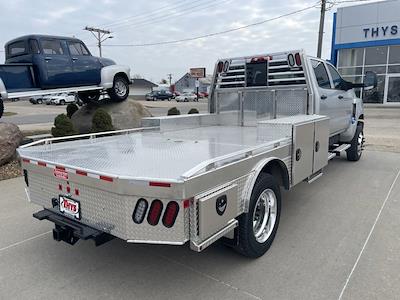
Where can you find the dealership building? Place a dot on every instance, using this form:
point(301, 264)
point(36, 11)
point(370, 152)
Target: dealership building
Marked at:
point(367, 38)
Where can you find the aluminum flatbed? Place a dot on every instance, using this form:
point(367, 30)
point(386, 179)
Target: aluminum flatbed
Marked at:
point(139, 155)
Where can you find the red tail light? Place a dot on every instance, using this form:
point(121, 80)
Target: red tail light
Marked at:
point(140, 211)
point(155, 212)
point(298, 59)
point(171, 212)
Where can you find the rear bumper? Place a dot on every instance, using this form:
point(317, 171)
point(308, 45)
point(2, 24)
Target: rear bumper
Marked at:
point(71, 231)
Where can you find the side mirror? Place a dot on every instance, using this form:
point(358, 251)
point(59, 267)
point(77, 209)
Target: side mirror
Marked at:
point(370, 80)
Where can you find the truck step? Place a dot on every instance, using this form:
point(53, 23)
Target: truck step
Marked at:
point(336, 151)
point(314, 177)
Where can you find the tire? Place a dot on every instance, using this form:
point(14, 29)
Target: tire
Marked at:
point(39, 102)
point(120, 90)
point(62, 102)
point(256, 238)
point(88, 97)
point(1, 108)
point(356, 146)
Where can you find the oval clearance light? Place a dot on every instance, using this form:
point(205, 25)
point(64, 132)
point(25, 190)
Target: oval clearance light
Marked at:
point(155, 212)
point(291, 60)
point(298, 59)
point(171, 212)
point(140, 211)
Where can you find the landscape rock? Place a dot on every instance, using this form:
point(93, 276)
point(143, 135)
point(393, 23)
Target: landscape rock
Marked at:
point(10, 139)
point(124, 115)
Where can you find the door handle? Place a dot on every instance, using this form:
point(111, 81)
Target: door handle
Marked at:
point(323, 97)
point(47, 58)
point(340, 97)
point(74, 58)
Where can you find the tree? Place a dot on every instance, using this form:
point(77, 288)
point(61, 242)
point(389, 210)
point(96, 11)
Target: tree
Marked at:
point(173, 111)
point(163, 81)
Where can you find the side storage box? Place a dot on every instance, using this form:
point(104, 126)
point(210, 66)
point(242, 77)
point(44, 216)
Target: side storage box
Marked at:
point(216, 210)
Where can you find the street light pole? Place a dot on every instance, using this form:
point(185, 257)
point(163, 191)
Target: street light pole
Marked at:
point(321, 28)
point(101, 36)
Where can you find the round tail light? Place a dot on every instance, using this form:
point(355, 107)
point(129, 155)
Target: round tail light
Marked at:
point(140, 211)
point(171, 212)
point(155, 212)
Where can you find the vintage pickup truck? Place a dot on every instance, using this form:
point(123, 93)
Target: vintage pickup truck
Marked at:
point(59, 64)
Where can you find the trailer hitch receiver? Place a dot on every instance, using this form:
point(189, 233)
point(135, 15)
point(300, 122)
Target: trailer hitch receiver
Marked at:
point(70, 231)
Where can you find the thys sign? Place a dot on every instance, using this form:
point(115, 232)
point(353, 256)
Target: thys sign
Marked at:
point(381, 31)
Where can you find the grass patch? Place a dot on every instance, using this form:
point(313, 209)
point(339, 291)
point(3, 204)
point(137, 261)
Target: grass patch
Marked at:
point(9, 114)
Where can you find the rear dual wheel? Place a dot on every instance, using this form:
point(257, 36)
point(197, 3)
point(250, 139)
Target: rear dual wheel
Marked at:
point(257, 228)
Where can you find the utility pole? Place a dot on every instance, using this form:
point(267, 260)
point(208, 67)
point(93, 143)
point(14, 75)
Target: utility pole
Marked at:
point(170, 79)
point(321, 28)
point(100, 35)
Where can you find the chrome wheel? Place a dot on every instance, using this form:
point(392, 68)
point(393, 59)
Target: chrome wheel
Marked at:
point(360, 143)
point(264, 215)
point(120, 88)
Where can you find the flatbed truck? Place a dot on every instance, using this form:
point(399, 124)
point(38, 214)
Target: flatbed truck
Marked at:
point(275, 121)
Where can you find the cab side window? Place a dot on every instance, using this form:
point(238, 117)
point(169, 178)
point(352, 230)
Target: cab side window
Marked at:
point(321, 74)
point(336, 78)
point(52, 47)
point(76, 48)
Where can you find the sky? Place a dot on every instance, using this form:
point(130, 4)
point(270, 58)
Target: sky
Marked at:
point(144, 21)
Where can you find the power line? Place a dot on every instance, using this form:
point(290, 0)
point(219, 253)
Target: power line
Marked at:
point(101, 36)
point(141, 15)
point(215, 33)
point(187, 10)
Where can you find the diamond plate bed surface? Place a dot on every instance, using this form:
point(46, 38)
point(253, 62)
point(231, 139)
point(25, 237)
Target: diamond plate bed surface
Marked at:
point(158, 155)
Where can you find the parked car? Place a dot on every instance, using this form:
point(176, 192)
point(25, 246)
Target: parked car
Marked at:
point(63, 99)
point(47, 99)
point(186, 97)
point(203, 94)
point(159, 95)
point(36, 99)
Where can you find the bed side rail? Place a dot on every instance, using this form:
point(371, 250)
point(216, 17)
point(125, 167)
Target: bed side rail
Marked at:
point(50, 141)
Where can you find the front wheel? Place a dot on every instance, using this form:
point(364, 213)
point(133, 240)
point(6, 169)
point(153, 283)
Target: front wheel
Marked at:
point(357, 144)
point(257, 228)
point(120, 90)
point(62, 102)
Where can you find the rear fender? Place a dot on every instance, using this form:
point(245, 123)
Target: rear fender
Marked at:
point(108, 73)
point(271, 162)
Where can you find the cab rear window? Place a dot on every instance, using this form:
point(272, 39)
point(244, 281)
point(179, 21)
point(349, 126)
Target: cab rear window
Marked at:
point(17, 48)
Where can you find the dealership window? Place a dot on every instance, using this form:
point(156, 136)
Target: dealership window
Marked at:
point(351, 57)
point(394, 55)
point(376, 55)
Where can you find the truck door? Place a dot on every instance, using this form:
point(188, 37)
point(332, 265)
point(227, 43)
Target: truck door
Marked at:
point(86, 67)
point(328, 97)
point(56, 64)
point(345, 98)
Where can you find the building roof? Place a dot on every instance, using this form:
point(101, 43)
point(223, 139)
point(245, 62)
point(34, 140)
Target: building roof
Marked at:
point(142, 83)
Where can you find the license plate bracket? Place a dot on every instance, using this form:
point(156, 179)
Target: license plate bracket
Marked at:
point(69, 207)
